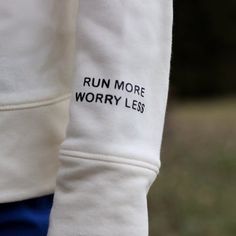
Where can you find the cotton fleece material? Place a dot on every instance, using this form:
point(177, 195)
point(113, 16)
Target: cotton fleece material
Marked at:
point(83, 92)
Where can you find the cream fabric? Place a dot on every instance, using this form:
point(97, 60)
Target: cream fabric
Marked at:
point(83, 92)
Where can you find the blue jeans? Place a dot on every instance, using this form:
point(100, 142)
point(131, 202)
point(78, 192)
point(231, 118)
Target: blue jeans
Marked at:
point(29, 217)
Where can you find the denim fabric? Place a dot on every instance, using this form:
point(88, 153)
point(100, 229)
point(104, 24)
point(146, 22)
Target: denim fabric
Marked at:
point(28, 217)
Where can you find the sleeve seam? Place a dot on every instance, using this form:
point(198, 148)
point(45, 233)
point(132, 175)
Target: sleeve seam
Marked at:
point(110, 158)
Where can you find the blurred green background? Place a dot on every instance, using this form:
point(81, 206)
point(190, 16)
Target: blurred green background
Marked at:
point(194, 193)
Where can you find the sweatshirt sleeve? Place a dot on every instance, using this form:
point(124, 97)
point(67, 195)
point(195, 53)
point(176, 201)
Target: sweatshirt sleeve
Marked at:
point(111, 153)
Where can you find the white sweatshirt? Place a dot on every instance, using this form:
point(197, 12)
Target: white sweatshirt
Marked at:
point(83, 92)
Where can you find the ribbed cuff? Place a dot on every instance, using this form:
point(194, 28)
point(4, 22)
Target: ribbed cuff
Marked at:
point(100, 198)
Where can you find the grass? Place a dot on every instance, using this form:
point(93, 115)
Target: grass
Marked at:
point(194, 193)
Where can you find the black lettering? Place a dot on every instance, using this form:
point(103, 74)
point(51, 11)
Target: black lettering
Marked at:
point(96, 83)
point(87, 97)
point(108, 97)
point(106, 83)
point(142, 91)
point(117, 99)
point(99, 97)
point(119, 86)
point(143, 106)
point(136, 89)
point(126, 103)
point(79, 96)
point(87, 81)
point(134, 104)
point(139, 106)
point(127, 87)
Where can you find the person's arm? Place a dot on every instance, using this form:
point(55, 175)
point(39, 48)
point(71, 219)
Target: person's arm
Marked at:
point(110, 156)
